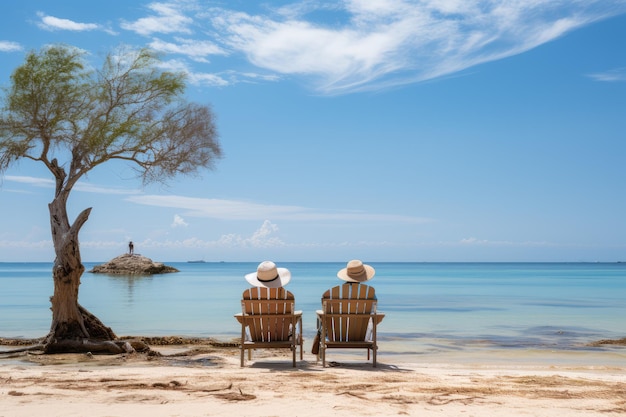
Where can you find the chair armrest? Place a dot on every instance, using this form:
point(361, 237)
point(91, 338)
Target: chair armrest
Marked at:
point(379, 317)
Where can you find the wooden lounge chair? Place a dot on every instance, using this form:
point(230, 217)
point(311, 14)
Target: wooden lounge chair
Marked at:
point(268, 320)
point(348, 319)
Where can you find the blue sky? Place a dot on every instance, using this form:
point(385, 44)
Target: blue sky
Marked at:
point(383, 130)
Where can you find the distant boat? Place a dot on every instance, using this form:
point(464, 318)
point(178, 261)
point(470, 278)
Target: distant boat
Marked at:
point(197, 262)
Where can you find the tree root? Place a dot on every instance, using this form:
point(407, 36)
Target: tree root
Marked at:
point(111, 347)
point(103, 347)
point(35, 348)
point(89, 335)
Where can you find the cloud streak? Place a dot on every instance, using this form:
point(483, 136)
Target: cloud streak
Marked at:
point(244, 210)
point(166, 18)
point(8, 46)
point(196, 50)
point(52, 23)
point(80, 186)
point(614, 75)
point(472, 241)
point(224, 209)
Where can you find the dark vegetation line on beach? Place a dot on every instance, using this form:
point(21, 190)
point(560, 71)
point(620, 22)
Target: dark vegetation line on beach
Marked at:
point(154, 341)
point(179, 340)
point(138, 344)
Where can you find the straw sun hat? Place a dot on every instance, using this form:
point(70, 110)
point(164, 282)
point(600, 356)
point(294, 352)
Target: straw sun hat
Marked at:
point(269, 276)
point(356, 271)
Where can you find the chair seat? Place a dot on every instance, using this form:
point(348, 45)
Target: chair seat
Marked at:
point(239, 316)
point(350, 345)
point(280, 344)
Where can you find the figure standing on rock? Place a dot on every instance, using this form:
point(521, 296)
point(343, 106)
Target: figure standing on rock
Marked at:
point(131, 248)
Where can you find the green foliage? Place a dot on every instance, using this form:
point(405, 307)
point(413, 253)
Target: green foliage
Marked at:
point(59, 109)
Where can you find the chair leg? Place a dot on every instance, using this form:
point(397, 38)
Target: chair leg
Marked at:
point(375, 346)
point(374, 355)
point(243, 340)
point(301, 339)
point(323, 345)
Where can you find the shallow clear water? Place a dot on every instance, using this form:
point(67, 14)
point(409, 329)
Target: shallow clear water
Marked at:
point(429, 307)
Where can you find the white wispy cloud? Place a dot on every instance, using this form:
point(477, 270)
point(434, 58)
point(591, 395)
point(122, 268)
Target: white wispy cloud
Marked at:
point(359, 45)
point(213, 80)
point(252, 77)
point(245, 210)
point(35, 181)
point(472, 241)
point(54, 23)
point(80, 186)
point(90, 188)
point(220, 79)
point(8, 46)
point(224, 209)
point(617, 74)
point(196, 78)
point(166, 18)
point(385, 43)
point(196, 50)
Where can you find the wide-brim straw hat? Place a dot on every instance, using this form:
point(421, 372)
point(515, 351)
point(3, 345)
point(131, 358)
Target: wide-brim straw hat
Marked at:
point(267, 275)
point(356, 271)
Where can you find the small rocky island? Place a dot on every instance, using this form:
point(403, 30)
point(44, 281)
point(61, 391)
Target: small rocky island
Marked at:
point(134, 264)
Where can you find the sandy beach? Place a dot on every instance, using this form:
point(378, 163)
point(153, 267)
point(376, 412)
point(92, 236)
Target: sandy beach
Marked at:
point(205, 380)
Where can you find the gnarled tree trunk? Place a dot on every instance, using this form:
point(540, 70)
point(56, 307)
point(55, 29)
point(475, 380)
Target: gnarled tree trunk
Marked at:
point(73, 328)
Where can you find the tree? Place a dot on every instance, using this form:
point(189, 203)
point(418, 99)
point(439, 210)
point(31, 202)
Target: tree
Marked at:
point(61, 113)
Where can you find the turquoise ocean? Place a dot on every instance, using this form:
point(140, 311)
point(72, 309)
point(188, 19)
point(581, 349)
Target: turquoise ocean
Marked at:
point(431, 308)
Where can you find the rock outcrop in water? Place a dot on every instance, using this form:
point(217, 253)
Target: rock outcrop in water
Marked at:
point(135, 264)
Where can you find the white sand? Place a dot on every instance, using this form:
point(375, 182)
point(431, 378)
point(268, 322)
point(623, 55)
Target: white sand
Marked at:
point(210, 382)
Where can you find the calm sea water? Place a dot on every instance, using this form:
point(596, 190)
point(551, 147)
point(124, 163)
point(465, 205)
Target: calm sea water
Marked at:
point(429, 307)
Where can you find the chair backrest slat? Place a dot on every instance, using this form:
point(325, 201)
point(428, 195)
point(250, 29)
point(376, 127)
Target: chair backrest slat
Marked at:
point(266, 312)
point(340, 303)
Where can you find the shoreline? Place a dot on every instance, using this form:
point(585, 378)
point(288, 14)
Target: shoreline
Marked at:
point(604, 352)
point(201, 379)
